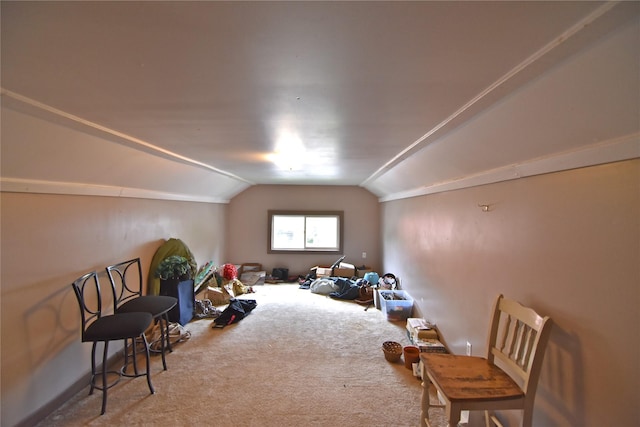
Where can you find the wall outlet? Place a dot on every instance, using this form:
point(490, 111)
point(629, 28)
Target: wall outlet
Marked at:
point(468, 348)
point(364, 255)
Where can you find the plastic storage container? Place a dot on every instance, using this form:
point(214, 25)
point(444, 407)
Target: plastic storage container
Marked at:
point(396, 305)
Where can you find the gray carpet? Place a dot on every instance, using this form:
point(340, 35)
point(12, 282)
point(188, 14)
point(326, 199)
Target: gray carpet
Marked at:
point(299, 359)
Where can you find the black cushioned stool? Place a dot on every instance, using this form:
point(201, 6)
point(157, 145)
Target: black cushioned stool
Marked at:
point(97, 327)
point(126, 282)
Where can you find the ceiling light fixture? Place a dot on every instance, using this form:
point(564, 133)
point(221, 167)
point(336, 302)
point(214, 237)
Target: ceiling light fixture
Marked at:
point(290, 152)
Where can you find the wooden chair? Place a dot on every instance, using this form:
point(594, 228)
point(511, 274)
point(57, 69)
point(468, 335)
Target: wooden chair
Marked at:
point(517, 341)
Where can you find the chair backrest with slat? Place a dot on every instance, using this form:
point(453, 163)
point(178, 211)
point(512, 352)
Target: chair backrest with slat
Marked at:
point(126, 280)
point(89, 295)
point(517, 341)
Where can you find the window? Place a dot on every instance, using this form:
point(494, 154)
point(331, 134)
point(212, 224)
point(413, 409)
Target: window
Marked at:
point(305, 232)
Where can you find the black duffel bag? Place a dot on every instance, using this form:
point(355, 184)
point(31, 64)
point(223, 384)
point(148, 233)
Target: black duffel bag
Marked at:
point(235, 311)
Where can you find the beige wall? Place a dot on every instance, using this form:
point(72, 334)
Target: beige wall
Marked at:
point(248, 224)
point(48, 241)
point(566, 244)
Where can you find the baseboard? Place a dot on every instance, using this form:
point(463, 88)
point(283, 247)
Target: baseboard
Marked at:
point(65, 395)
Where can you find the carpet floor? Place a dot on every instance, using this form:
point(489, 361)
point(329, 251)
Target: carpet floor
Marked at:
point(299, 359)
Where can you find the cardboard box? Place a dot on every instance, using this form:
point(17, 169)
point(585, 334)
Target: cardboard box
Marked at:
point(344, 272)
point(340, 271)
point(322, 271)
point(344, 269)
point(430, 346)
point(253, 278)
point(418, 328)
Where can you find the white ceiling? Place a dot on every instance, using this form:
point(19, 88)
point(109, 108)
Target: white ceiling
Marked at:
point(357, 86)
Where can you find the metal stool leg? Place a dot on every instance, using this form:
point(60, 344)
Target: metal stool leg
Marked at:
point(146, 348)
point(104, 377)
point(166, 325)
point(163, 342)
point(135, 357)
point(93, 368)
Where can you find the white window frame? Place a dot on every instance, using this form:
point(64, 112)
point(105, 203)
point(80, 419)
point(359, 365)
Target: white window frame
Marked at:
point(339, 215)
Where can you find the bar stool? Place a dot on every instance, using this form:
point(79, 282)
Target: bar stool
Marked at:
point(98, 327)
point(126, 282)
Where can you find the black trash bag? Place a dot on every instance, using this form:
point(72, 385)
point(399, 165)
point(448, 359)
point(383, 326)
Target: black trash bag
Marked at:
point(235, 311)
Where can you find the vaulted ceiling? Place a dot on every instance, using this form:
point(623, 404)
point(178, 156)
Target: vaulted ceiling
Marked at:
point(321, 93)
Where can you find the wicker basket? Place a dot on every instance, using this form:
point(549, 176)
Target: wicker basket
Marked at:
point(392, 350)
